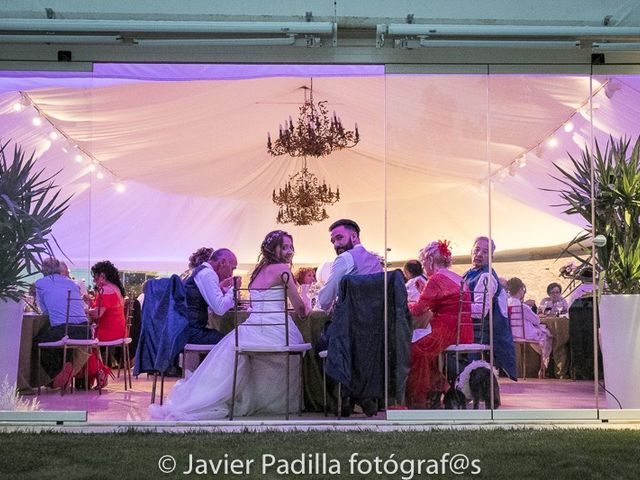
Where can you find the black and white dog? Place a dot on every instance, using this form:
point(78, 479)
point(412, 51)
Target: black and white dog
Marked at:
point(473, 383)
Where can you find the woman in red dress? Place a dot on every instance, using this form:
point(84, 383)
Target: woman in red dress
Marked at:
point(438, 307)
point(107, 311)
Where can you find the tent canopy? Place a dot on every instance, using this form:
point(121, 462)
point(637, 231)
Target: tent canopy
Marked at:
point(189, 144)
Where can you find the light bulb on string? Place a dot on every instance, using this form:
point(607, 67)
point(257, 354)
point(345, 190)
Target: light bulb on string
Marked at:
point(92, 167)
point(54, 135)
point(552, 141)
point(79, 158)
point(17, 107)
point(120, 187)
point(99, 175)
point(37, 121)
point(568, 127)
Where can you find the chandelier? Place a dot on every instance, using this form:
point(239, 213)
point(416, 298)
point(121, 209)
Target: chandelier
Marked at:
point(303, 198)
point(315, 134)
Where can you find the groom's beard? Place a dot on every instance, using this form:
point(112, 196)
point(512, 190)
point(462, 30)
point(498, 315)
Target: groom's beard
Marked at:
point(344, 248)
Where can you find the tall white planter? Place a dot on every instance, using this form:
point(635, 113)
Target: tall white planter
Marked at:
point(620, 338)
point(10, 331)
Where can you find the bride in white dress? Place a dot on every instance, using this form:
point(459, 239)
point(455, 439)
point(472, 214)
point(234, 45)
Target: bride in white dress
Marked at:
point(206, 395)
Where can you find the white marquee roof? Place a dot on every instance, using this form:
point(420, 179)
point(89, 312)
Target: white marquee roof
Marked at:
point(189, 144)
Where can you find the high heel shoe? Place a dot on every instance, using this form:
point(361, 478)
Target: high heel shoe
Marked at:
point(63, 378)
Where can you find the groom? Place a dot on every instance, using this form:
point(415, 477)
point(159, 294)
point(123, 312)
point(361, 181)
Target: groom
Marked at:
point(352, 259)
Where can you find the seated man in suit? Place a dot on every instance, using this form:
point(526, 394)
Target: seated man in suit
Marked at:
point(496, 301)
point(210, 285)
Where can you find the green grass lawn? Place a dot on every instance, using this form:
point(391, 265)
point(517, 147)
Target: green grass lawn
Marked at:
point(496, 454)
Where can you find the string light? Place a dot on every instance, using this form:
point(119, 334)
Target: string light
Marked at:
point(56, 133)
point(551, 140)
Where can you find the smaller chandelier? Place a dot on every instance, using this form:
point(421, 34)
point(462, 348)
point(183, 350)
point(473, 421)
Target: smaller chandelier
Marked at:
point(301, 201)
point(315, 134)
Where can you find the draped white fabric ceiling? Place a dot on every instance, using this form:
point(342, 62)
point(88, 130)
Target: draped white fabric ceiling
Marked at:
point(189, 144)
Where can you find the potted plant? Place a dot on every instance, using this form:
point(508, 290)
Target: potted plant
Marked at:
point(616, 222)
point(29, 207)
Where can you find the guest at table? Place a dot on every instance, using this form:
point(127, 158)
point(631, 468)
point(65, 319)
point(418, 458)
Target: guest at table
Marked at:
point(108, 306)
point(52, 292)
point(532, 328)
point(107, 311)
point(197, 258)
point(352, 259)
point(305, 276)
point(210, 285)
point(415, 279)
point(554, 304)
point(437, 306)
point(496, 300)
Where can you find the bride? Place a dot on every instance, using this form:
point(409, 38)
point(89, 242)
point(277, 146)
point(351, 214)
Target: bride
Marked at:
point(206, 395)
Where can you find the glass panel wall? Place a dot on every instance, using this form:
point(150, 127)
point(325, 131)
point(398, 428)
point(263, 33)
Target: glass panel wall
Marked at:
point(437, 204)
point(482, 152)
point(35, 118)
point(615, 126)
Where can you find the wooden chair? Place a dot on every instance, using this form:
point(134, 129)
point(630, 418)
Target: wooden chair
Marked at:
point(123, 343)
point(459, 348)
point(66, 343)
point(518, 330)
point(284, 350)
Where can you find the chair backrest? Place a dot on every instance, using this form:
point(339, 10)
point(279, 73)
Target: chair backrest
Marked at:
point(356, 336)
point(69, 315)
point(466, 300)
point(128, 314)
point(163, 325)
point(516, 319)
point(243, 302)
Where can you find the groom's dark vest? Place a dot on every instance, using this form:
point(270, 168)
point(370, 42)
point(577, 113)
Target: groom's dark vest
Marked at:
point(197, 308)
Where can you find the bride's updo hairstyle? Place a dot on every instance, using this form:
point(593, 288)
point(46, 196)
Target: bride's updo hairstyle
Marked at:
point(268, 254)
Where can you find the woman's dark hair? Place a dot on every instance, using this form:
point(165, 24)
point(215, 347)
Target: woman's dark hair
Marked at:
point(514, 285)
point(268, 251)
point(111, 273)
point(414, 268)
point(553, 285)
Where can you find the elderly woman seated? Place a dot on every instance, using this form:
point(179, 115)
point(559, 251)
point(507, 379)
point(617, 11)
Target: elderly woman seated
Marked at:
point(526, 325)
point(554, 304)
point(438, 307)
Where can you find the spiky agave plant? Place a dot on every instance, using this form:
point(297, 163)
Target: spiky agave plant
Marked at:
point(30, 205)
point(616, 187)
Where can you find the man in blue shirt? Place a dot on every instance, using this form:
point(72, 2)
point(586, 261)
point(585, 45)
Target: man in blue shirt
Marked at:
point(52, 292)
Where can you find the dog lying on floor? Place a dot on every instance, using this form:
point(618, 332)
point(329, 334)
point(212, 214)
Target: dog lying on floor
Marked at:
point(473, 383)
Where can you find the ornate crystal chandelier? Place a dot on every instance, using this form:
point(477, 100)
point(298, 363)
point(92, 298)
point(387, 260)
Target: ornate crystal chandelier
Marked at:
point(315, 134)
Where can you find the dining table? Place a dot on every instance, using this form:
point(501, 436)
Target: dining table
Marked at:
point(30, 373)
point(311, 327)
point(558, 325)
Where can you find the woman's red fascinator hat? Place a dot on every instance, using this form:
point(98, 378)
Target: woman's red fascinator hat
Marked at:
point(443, 248)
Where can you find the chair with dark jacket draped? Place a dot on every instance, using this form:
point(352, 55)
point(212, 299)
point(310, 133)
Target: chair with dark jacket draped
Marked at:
point(356, 340)
point(163, 331)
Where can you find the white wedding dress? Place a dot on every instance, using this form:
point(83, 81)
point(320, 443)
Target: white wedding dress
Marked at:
point(261, 383)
